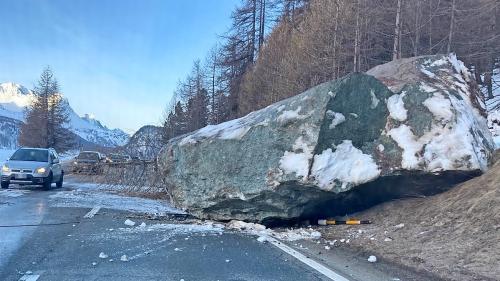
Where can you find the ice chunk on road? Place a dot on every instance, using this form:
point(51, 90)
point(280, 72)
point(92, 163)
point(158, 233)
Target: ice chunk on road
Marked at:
point(262, 239)
point(129, 222)
point(124, 258)
point(372, 259)
point(102, 255)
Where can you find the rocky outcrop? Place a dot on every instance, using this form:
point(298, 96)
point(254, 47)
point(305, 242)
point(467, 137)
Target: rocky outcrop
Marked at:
point(416, 129)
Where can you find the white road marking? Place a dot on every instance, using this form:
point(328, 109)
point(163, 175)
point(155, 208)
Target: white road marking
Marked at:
point(30, 277)
point(311, 263)
point(92, 212)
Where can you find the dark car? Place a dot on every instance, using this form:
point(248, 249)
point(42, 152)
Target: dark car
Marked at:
point(88, 162)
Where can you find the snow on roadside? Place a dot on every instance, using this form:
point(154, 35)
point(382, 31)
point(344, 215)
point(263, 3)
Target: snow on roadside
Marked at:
point(172, 228)
point(83, 199)
point(12, 193)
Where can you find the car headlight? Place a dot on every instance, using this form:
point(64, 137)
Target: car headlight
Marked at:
point(5, 169)
point(40, 170)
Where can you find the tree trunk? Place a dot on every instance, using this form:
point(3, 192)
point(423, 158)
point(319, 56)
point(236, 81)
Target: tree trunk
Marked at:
point(262, 22)
point(417, 28)
point(253, 31)
point(356, 40)
point(452, 23)
point(430, 27)
point(397, 33)
point(335, 35)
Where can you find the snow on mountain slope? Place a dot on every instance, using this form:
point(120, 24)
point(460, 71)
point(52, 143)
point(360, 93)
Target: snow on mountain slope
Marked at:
point(14, 99)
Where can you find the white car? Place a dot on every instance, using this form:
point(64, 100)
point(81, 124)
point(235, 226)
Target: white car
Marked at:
point(33, 166)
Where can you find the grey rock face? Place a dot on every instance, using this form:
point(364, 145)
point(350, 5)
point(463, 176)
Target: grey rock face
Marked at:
point(336, 148)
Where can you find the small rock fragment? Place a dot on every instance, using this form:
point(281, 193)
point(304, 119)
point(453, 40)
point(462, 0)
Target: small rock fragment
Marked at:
point(262, 239)
point(129, 222)
point(398, 226)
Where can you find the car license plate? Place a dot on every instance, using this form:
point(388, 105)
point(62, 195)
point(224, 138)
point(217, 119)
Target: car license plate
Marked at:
point(21, 176)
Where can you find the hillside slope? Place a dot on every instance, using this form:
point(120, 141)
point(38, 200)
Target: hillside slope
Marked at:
point(145, 143)
point(455, 234)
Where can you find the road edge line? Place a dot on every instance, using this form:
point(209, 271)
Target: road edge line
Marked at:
point(308, 261)
point(92, 212)
point(29, 277)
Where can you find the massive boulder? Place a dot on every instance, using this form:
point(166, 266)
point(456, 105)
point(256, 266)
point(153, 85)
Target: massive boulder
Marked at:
point(416, 129)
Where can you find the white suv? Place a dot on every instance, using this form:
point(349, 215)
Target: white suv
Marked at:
point(33, 166)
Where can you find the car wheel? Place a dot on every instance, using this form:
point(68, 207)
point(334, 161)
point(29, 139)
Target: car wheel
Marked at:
point(5, 184)
point(48, 182)
point(59, 184)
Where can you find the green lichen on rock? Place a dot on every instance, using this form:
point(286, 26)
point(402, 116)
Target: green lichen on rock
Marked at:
point(361, 100)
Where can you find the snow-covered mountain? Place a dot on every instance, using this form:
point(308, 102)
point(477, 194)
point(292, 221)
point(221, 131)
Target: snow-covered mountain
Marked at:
point(14, 99)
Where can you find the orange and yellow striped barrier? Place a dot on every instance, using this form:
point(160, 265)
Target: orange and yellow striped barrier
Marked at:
point(338, 222)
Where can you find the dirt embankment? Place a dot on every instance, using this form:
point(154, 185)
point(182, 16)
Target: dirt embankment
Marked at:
point(455, 235)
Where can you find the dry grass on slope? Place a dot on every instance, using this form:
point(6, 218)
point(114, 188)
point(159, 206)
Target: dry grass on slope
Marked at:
point(455, 235)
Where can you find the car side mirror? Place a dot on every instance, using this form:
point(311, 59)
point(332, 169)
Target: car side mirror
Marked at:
point(55, 161)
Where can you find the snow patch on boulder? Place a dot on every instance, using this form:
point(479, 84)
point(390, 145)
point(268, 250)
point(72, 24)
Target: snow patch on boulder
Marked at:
point(297, 161)
point(396, 107)
point(347, 164)
point(338, 118)
point(440, 107)
point(290, 115)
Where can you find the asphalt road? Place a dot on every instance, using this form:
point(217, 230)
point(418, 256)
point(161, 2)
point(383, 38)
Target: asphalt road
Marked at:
point(41, 241)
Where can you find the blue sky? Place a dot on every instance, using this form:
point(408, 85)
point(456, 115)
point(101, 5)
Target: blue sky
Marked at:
point(117, 59)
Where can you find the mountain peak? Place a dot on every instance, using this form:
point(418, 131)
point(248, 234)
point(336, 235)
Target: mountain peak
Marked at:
point(13, 89)
point(14, 99)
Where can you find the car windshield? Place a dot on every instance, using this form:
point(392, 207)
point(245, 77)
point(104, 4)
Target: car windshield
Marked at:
point(88, 156)
point(37, 155)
